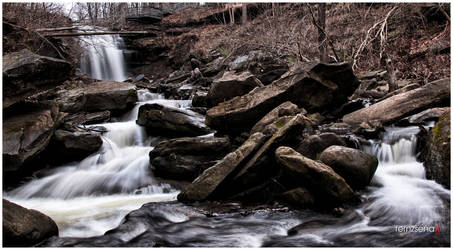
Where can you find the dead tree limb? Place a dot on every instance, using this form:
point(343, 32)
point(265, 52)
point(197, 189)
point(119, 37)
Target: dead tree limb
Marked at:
point(56, 29)
point(370, 37)
point(40, 36)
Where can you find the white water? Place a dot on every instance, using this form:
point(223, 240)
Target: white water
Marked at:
point(103, 59)
point(89, 197)
point(402, 194)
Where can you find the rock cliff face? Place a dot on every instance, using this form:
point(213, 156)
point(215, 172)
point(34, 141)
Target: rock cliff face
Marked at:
point(437, 151)
point(26, 73)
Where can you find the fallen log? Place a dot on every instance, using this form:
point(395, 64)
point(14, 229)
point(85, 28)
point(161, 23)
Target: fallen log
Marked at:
point(131, 33)
point(56, 29)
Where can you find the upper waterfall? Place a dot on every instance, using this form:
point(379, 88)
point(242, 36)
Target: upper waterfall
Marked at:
point(103, 58)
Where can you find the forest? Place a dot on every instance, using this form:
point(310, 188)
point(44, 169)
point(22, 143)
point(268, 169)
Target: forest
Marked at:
point(226, 124)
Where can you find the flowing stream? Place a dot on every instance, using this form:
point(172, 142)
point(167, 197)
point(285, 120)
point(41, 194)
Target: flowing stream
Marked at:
point(90, 197)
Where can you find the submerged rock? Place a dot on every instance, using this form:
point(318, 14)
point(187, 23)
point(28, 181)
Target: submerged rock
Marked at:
point(319, 178)
point(231, 85)
point(25, 73)
point(171, 122)
point(25, 227)
point(314, 86)
point(437, 151)
point(186, 158)
point(396, 107)
point(202, 187)
point(355, 166)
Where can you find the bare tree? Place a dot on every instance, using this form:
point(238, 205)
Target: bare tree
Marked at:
point(244, 13)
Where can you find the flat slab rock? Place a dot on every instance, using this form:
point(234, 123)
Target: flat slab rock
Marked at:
point(98, 96)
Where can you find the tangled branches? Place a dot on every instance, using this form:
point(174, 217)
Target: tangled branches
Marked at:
point(378, 30)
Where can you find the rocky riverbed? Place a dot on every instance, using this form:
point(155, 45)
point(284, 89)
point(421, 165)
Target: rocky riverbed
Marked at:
point(222, 155)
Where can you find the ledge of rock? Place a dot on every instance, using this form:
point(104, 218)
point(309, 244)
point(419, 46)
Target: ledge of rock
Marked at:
point(25, 73)
point(26, 135)
point(98, 96)
point(314, 86)
point(172, 122)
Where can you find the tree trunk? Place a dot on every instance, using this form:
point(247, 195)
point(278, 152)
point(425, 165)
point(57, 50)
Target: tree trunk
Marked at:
point(390, 75)
point(322, 39)
point(244, 13)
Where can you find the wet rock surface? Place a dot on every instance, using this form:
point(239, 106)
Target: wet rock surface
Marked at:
point(25, 227)
point(436, 153)
point(186, 158)
point(161, 120)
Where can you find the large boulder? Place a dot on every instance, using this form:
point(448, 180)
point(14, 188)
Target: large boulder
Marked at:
point(319, 178)
point(231, 85)
point(202, 187)
point(26, 135)
point(257, 168)
point(98, 96)
point(396, 107)
point(355, 166)
point(268, 125)
point(437, 151)
point(25, 227)
point(171, 122)
point(186, 158)
point(70, 146)
point(25, 73)
point(314, 86)
point(313, 145)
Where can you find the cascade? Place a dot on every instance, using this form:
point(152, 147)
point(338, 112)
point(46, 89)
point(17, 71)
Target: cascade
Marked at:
point(103, 58)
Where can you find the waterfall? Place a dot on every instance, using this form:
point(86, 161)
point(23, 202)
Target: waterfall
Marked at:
point(89, 197)
point(400, 193)
point(103, 58)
